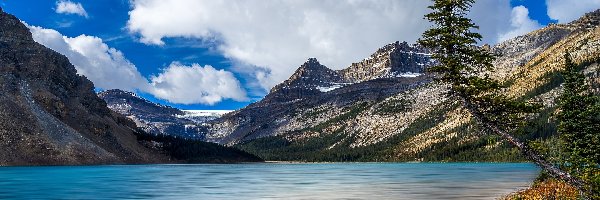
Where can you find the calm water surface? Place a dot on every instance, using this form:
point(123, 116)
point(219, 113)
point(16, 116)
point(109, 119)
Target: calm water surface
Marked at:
point(268, 181)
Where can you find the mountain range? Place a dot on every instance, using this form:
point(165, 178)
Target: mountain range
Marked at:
point(386, 107)
point(157, 119)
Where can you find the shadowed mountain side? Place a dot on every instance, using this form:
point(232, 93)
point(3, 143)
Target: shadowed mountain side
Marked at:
point(50, 115)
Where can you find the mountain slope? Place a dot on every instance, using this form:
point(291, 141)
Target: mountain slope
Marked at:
point(50, 115)
point(421, 124)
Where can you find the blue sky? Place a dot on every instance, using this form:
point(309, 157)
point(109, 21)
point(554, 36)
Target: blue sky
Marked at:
point(537, 10)
point(229, 40)
point(107, 20)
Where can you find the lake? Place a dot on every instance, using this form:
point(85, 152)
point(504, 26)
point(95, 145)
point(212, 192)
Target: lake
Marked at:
point(268, 181)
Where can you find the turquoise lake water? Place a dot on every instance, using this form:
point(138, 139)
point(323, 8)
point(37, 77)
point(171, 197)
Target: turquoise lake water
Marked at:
point(268, 181)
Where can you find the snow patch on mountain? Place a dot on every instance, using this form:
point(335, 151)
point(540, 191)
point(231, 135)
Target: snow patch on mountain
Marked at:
point(408, 75)
point(332, 87)
point(205, 113)
point(202, 116)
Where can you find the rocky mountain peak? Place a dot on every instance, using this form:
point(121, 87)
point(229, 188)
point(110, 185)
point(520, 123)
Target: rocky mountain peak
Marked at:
point(388, 48)
point(11, 28)
point(309, 79)
point(312, 61)
point(312, 69)
point(397, 59)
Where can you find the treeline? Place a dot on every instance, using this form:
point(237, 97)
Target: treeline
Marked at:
point(194, 151)
point(318, 149)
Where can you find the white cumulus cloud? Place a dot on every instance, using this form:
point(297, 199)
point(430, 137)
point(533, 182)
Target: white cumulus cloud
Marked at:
point(566, 11)
point(105, 66)
point(279, 35)
point(69, 7)
point(521, 24)
point(109, 69)
point(176, 83)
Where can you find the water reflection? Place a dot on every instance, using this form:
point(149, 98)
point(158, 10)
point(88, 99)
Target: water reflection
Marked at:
point(268, 181)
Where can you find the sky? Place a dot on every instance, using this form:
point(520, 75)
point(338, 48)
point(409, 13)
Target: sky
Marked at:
point(226, 54)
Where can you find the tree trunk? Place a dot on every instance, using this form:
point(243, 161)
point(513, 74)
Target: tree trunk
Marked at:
point(532, 155)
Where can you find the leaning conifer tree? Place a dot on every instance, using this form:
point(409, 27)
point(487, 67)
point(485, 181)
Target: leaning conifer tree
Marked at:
point(464, 67)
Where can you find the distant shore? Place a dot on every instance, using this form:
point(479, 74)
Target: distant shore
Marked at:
point(416, 162)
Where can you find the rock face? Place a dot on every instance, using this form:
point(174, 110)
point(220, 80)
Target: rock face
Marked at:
point(157, 119)
point(51, 116)
point(309, 80)
point(392, 60)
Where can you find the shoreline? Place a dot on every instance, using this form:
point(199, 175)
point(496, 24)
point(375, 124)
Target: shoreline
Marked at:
point(264, 162)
